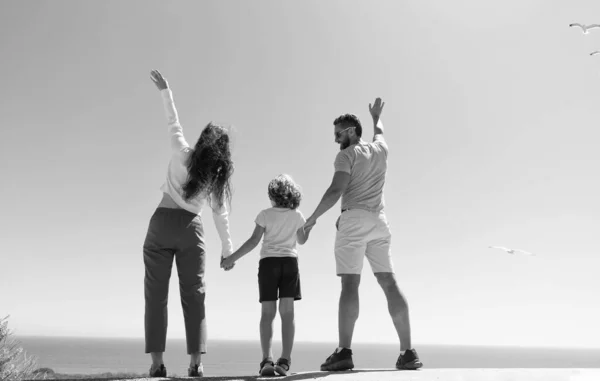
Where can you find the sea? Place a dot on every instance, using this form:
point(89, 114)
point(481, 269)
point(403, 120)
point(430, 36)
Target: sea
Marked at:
point(88, 356)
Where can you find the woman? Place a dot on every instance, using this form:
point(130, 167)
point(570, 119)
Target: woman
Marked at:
point(195, 177)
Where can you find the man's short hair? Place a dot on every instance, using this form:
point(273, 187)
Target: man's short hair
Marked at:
point(349, 120)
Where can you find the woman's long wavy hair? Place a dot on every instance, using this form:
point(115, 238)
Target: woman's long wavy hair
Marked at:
point(210, 166)
point(284, 192)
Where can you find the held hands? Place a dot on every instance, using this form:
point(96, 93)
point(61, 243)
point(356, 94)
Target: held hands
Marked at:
point(377, 108)
point(310, 223)
point(158, 80)
point(227, 263)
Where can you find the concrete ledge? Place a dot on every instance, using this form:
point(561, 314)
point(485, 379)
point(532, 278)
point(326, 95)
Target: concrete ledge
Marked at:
point(522, 374)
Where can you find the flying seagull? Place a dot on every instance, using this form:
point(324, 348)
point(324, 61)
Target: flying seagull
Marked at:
point(512, 251)
point(594, 53)
point(584, 28)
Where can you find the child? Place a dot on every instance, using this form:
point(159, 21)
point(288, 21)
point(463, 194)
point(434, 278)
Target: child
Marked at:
point(277, 268)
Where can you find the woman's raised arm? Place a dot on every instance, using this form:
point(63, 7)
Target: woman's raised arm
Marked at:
point(178, 141)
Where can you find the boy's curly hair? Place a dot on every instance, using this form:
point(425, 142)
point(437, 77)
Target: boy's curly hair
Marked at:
point(284, 192)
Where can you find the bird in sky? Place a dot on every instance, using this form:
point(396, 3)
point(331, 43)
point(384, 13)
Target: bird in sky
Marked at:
point(512, 251)
point(594, 53)
point(585, 28)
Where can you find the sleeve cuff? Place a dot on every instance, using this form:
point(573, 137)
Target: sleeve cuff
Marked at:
point(227, 250)
point(226, 253)
point(166, 94)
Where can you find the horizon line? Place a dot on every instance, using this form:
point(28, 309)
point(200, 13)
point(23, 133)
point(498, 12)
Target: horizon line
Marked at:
point(332, 342)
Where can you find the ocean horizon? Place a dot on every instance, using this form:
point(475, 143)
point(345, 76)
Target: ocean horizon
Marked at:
point(80, 355)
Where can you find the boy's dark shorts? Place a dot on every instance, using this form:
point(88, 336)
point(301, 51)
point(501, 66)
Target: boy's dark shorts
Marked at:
point(278, 275)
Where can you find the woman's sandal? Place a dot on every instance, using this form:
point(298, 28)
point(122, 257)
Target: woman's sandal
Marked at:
point(266, 368)
point(282, 367)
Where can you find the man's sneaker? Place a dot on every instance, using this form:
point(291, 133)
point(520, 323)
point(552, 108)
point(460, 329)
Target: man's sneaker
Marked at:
point(409, 361)
point(196, 371)
point(158, 372)
point(341, 360)
point(267, 368)
point(282, 367)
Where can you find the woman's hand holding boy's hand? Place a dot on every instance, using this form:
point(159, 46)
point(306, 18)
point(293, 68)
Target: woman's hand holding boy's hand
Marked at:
point(227, 263)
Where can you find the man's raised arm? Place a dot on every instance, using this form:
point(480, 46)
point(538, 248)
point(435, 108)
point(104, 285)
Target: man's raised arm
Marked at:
point(375, 111)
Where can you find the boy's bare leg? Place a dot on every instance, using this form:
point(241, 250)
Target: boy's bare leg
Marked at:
point(269, 311)
point(288, 326)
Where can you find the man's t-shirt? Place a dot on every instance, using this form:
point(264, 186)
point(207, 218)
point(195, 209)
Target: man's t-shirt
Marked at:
point(367, 165)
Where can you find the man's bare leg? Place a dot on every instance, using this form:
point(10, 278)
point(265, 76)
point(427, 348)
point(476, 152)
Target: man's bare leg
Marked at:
point(348, 308)
point(397, 307)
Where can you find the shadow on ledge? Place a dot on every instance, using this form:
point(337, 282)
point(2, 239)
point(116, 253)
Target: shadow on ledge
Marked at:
point(291, 377)
point(295, 377)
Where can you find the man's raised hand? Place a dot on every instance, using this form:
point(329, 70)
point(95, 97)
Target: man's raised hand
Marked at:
point(376, 108)
point(158, 80)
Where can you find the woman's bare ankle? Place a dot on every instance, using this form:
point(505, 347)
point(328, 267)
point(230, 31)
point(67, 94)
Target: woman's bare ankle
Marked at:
point(157, 360)
point(195, 359)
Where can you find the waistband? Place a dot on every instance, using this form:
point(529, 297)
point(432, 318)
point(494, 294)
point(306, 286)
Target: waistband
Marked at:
point(365, 209)
point(163, 209)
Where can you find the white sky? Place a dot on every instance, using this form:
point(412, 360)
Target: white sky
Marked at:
point(488, 118)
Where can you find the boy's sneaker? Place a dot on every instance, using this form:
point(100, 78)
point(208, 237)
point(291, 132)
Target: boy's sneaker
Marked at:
point(409, 361)
point(267, 368)
point(158, 372)
point(282, 367)
point(341, 360)
point(196, 371)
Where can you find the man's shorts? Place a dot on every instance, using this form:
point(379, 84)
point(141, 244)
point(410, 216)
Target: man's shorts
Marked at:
point(362, 233)
point(278, 276)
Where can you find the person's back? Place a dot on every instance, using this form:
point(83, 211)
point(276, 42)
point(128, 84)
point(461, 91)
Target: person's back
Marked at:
point(280, 228)
point(362, 231)
point(367, 164)
point(281, 225)
point(176, 233)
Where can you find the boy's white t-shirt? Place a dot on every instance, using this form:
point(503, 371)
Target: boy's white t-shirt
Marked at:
point(280, 226)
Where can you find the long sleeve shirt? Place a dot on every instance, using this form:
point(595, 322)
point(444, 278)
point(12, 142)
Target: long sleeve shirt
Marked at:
point(177, 175)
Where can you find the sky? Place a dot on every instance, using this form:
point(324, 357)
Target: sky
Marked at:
point(489, 110)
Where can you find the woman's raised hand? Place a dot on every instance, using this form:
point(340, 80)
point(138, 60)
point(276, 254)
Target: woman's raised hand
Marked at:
point(158, 80)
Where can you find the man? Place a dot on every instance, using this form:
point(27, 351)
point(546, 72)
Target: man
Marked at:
point(362, 230)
